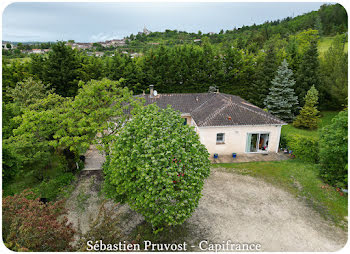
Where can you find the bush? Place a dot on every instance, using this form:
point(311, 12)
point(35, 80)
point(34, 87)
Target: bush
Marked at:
point(304, 148)
point(158, 166)
point(28, 224)
point(334, 151)
point(55, 187)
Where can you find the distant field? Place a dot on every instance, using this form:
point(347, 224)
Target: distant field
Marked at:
point(326, 42)
point(22, 60)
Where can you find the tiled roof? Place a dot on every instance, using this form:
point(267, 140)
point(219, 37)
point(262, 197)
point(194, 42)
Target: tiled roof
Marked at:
point(215, 109)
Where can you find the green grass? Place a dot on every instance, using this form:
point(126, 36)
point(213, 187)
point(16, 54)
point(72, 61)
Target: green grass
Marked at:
point(325, 119)
point(301, 179)
point(325, 43)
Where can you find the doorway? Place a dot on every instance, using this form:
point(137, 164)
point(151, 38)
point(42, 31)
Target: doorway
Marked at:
point(257, 142)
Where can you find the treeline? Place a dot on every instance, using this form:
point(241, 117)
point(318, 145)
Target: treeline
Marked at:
point(194, 68)
point(329, 20)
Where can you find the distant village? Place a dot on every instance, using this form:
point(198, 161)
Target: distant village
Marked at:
point(90, 47)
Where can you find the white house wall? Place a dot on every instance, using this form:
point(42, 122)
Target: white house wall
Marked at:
point(236, 138)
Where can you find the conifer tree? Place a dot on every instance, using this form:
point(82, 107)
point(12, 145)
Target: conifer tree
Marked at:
point(308, 72)
point(308, 116)
point(281, 99)
point(264, 74)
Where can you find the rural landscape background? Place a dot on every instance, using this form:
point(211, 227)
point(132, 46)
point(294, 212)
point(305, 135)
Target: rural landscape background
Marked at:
point(58, 97)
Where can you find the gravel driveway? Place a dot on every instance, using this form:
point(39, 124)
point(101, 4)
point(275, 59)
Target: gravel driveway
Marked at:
point(245, 209)
point(234, 207)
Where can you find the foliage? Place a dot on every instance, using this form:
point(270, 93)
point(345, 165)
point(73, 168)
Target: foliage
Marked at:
point(35, 226)
point(281, 100)
point(308, 116)
point(334, 72)
point(265, 72)
point(59, 68)
point(96, 114)
point(54, 188)
point(308, 72)
point(157, 166)
point(334, 151)
point(28, 92)
point(30, 141)
point(304, 148)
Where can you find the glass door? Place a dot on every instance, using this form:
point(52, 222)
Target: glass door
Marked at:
point(252, 142)
point(257, 142)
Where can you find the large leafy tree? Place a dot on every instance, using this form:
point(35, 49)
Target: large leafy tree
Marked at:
point(308, 117)
point(157, 166)
point(36, 127)
point(96, 114)
point(334, 151)
point(281, 99)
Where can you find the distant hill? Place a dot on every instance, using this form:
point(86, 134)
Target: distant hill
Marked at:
point(329, 20)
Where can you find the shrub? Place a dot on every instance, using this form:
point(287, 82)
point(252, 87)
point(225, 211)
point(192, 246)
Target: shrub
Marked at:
point(31, 225)
point(158, 166)
point(55, 187)
point(304, 148)
point(334, 151)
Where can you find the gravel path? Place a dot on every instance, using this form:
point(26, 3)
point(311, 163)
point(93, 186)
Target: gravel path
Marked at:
point(234, 207)
point(93, 159)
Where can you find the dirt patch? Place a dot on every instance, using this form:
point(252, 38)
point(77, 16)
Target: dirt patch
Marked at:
point(84, 203)
point(234, 207)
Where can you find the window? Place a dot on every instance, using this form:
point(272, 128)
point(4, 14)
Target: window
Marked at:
point(220, 138)
point(185, 121)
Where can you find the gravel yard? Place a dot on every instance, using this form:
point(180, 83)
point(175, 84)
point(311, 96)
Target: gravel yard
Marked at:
point(234, 207)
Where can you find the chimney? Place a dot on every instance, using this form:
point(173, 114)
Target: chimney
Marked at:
point(151, 91)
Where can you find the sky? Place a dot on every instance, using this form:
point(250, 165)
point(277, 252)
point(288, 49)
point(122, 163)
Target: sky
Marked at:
point(92, 22)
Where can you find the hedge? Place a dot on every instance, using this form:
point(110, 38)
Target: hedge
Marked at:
point(304, 148)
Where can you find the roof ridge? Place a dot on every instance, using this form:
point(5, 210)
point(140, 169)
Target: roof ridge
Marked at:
point(201, 104)
point(257, 112)
point(265, 114)
point(215, 113)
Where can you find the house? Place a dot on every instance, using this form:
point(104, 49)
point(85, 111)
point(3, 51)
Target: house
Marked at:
point(99, 54)
point(37, 51)
point(225, 123)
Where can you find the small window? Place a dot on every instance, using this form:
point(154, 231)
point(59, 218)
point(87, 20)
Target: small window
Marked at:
point(185, 121)
point(220, 138)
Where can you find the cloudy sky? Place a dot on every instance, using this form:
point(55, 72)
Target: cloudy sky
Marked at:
point(90, 22)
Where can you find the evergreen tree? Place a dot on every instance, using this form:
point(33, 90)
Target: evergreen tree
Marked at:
point(264, 74)
point(308, 72)
point(281, 99)
point(334, 73)
point(60, 69)
point(308, 116)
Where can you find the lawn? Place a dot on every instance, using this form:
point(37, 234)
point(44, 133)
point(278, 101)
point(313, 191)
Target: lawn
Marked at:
point(326, 42)
point(301, 179)
point(325, 119)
